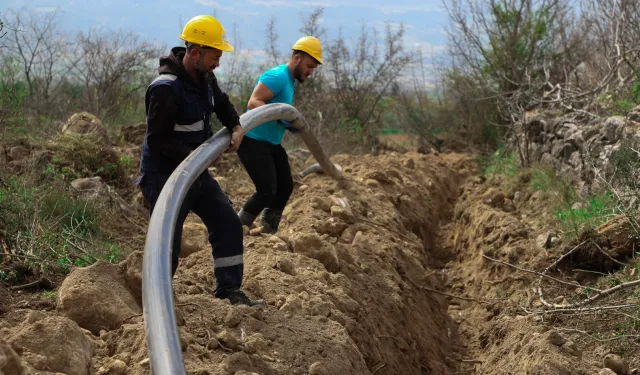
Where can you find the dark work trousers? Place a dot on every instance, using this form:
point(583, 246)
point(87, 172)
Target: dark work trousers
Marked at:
point(208, 201)
point(268, 167)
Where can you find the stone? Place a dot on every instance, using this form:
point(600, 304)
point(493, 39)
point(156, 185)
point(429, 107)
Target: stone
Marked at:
point(612, 129)
point(544, 240)
point(88, 184)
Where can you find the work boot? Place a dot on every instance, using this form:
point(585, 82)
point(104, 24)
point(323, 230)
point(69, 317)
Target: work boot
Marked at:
point(237, 297)
point(246, 218)
point(270, 220)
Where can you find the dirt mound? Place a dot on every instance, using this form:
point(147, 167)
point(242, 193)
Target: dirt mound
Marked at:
point(53, 344)
point(85, 123)
point(10, 363)
point(97, 297)
point(342, 279)
point(134, 134)
point(349, 280)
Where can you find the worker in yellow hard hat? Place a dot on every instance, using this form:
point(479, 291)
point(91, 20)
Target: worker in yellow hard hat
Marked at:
point(178, 105)
point(261, 152)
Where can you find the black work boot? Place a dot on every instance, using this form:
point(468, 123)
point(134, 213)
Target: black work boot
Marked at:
point(246, 218)
point(270, 220)
point(237, 297)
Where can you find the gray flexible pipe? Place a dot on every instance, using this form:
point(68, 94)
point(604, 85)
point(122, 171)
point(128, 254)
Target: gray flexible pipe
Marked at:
point(162, 334)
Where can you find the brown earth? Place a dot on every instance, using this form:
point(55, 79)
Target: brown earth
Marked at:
point(381, 274)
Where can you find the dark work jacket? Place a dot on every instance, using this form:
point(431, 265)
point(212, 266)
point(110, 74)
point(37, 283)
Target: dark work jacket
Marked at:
point(178, 114)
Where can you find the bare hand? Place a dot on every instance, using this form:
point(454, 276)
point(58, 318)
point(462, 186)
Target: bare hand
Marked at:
point(236, 139)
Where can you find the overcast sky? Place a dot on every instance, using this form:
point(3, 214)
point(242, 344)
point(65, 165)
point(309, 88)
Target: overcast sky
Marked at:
point(162, 20)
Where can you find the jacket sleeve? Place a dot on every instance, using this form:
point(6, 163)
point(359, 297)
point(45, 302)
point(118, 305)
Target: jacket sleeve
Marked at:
point(222, 106)
point(161, 116)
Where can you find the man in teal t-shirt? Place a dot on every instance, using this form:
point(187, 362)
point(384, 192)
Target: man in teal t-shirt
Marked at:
point(261, 152)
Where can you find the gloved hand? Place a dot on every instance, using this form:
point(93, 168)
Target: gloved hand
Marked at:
point(289, 126)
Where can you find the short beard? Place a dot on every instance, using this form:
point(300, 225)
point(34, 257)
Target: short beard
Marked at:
point(198, 65)
point(297, 73)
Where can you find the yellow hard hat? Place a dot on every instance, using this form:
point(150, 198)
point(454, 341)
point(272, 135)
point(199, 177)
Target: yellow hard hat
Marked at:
point(206, 31)
point(310, 45)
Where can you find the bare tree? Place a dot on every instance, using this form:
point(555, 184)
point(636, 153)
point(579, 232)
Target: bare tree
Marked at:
point(308, 95)
point(273, 55)
point(613, 27)
point(2, 34)
point(423, 115)
point(239, 75)
point(28, 38)
point(46, 56)
point(113, 70)
point(363, 73)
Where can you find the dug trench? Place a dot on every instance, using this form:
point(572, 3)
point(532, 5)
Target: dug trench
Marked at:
point(514, 320)
point(350, 281)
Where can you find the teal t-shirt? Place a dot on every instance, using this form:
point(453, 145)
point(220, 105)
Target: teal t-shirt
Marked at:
point(281, 84)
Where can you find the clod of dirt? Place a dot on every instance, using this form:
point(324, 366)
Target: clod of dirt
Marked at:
point(237, 362)
point(233, 318)
point(555, 338)
point(3, 156)
point(321, 309)
point(318, 368)
point(134, 133)
point(97, 297)
point(88, 184)
point(311, 245)
point(343, 213)
point(606, 371)
point(86, 124)
point(285, 265)
point(194, 239)
point(333, 226)
point(494, 198)
point(71, 354)
point(227, 339)
point(617, 364)
point(19, 153)
point(321, 204)
point(254, 344)
point(572, 348)
point(133, 274)
point(10, 363)
point(116, 367)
